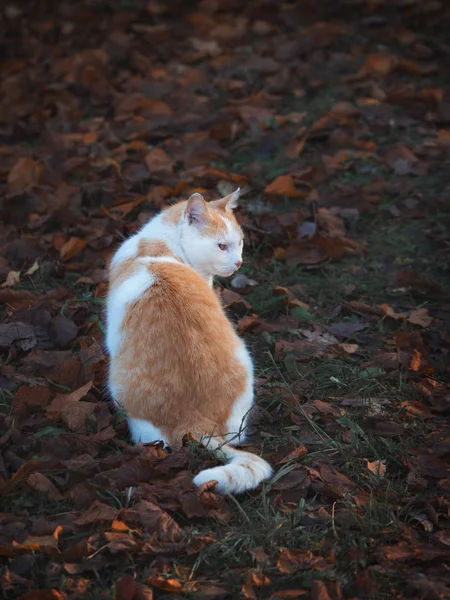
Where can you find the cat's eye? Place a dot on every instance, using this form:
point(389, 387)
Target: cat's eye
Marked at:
point(223, 246)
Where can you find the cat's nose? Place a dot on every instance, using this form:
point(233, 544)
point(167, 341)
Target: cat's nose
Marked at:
point(239, 264)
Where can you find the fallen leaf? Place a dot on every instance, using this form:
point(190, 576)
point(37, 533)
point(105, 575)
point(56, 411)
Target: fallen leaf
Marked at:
point(346, 329)
point(378, 467)
point(377, 64)
point(12, 279)
point(420, 317)
point(283, 185)
point(71, 248)
point(32, 270)
point(443, 138)
point(98, 512)
point(24, 174)
point(159, 162)
point(41, 483)
point(383, 427)
point(296, 453)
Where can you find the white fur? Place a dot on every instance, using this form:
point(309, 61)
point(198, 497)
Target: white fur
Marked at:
point(245, 471)
point(128, 249)
point(236, 422)
point(117, 302)
point(144, 431)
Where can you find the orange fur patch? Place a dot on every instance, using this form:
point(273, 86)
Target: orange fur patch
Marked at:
point(177, 365)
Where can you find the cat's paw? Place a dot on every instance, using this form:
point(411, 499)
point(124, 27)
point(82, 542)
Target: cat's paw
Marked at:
point(218, 474)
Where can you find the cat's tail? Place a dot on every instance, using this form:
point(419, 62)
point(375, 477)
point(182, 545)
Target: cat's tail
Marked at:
point(244, 471)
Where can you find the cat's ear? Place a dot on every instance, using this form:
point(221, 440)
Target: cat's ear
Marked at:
point(196, 210)
point(228, 203)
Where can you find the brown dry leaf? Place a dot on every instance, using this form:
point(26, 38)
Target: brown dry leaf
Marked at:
point(415, 361)
point(330, 224)
point(30, 398)
point(48, 544)
point(159, 162)
point(155, 520)
point(125, 588)
point(319, 591)
point(247, 323)
point(336, 247)
point(378, 467)
point(98, 512)
point(416, 409)
point(167, 585)
point(234, 299)
point(24, 174)
point(420, 317)
point(71, 410)
point(41, 483)
point(391, 313)
point(90, 138)
point(72, 247)
point(21, 474)
point(383, 427)
point(377, 64)
point(119, 211)
point(283, 185)
point(296, 453)
point(345, 109)
point(443, 138)
point(434, 95)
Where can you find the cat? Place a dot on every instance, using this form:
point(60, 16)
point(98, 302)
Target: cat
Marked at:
point(176, 363)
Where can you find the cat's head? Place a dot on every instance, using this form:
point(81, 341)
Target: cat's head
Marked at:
point(212, 238)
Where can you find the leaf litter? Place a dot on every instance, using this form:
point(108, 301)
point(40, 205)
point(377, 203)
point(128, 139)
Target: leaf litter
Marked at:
point(336, 125)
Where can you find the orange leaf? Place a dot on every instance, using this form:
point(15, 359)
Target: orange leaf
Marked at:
point(168, 585)
point(247, 323)
point(72, 247)
point(443, 138)
point(283, 185)
point(377, 64)
point(297, 453)
point(415, 361)
point(378, 467)
point(120, 211)
point(90, 138)
point(391, 313)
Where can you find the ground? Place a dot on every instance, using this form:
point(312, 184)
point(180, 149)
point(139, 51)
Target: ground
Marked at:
point(334, 119)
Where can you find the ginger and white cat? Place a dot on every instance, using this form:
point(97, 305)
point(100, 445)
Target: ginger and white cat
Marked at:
point(177, 364)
